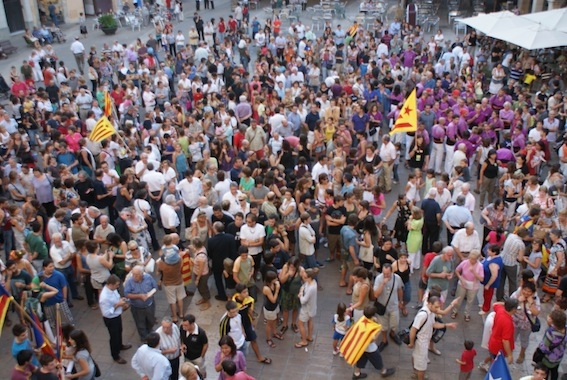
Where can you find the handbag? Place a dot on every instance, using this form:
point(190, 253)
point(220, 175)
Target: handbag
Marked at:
point(539, 355)
point(405, 333)
point(536, 326)
point(97, 372)
point(381, 309)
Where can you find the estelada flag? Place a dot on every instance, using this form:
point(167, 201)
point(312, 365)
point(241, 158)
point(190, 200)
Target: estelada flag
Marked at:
point(107, 104)
point(5, 299)
point(357, 339)
point(407, 119)
point(102, 130)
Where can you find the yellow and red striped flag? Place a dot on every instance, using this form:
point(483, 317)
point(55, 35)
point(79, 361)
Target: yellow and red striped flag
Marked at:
point(186, 268)
point(107, 104)
point(357, 339)
point(5, 299)
point(407, 119)
point(102, 130)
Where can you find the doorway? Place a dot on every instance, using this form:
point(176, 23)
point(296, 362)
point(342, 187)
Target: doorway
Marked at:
point(14, 15)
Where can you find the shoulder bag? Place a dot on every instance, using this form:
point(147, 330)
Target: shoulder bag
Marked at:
point(536, 325)
point(405, 333)
point(381, 309)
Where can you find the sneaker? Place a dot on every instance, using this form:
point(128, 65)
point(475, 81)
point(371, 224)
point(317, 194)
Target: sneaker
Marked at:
point(326, 245)
point(389, 372)
point(320, 265)
point(482, 312)
point(336, 352)
point(414, 376)
point(359, 376)
point(484, 366)
point(329, 260)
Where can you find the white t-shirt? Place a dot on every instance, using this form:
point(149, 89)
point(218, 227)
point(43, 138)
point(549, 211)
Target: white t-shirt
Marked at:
point(250, 234)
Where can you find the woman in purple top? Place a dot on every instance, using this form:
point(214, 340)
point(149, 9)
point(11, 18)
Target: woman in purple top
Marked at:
point(43, 189)
point(495, 122)
point(488, 133)
point(518, 139)
point(506, 115)
point(228, 351)
point(226, 157)
point(396, 96)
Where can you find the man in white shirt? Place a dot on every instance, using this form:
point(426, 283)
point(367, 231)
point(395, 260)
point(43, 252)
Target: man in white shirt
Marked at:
point(169, 217)
point(149, 362)
point(320, 167)
point(232, 197)
point(9, 123)
point(202, 207)
point(464, 241)
point(307, 240)
point(223, 184)
point(169, 338)
point(276, 120)
point(252, 235)
point(142, 165)
point(388, 156)
point(443, 196)
point(191, 189)
point(156, 187)
point(63, 255)
point(78, 50)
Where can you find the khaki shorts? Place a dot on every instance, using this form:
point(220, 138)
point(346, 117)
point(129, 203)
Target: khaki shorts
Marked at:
point(174, 293)
point(271, 315)
point(335, 243)
point(390, 320)
point(419, 356)
point(95, 284)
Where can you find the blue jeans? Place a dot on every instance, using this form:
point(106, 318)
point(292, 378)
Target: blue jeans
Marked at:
point(310, 262)
point(373, 357)
point(8, 242)
point(70, 277)
point(407, 292)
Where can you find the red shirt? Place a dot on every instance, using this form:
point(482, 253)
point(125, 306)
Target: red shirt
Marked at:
point(47, 76)
point(232, 24)
point(20, 86)
point(118, 97)
point(503, 329)
point(468, 357)
point(426, 261)
point(237, 140)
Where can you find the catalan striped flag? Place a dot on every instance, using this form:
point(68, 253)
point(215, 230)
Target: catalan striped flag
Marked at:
point(102, 130)
point(39, 335)
point(107, 104)
point(5, 299)
point(407, 119)
point(357, 339)
point(186, 268)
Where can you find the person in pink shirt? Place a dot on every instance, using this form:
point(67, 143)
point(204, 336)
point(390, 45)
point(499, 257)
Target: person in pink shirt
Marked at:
point(470, 273)
point(72, 139)
point(229, 369)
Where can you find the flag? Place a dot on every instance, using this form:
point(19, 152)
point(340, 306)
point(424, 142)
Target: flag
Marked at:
point(102, 130)
point(5, 299)
point(186, 268)
point(107, 104)
point(357, 339)
point(407, 120)
point(39, 334)
point(499, 369)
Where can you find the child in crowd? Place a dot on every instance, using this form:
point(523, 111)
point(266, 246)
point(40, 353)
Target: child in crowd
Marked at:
point(467, 360)
point(429, 180)
point(341, 323)
point(398, 146)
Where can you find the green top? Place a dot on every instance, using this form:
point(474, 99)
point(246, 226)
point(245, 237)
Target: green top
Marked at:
point(36, 244)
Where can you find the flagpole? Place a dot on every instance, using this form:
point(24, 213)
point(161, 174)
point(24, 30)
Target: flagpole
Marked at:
point(115, 112)
point(30, 319)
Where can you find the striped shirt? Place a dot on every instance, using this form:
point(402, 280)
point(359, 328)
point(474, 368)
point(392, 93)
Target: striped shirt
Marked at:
point(169, 341)
point(511, 250)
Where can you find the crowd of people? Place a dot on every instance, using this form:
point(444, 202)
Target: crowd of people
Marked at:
point(249, 146)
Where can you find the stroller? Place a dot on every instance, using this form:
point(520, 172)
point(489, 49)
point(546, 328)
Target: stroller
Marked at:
point(58, 35)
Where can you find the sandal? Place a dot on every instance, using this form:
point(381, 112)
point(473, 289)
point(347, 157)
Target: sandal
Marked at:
point(405, 312)
point(266, 360)
point(468, 318)
point(270, 343)
point(278, 336)
point(283, 330)
point(435, 351)
point(199, 301)
point(546, 298)
point(453, 315)
point(294, 328)
point(299, 345)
